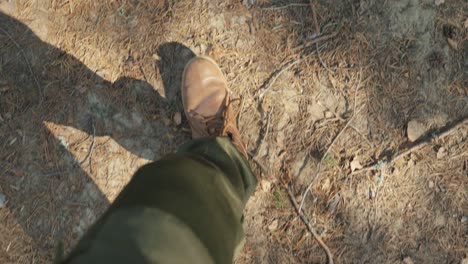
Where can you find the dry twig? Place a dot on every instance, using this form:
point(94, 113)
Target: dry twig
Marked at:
point(91, 148)
point(441, 133)
point(304, 218)
point(274, 76)
point(306, 221)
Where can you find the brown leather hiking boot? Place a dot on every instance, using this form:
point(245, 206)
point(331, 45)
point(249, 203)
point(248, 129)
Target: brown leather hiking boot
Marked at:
point(206, 102)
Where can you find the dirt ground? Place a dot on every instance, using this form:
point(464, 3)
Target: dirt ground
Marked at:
point(89, 91)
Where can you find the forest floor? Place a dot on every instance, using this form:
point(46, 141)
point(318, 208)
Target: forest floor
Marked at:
point(330, 94)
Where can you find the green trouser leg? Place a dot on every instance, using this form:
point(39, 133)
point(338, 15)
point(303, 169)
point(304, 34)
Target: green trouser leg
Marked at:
point(184, 208)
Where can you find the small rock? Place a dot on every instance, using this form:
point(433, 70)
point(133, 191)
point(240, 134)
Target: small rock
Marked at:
point(177, 118)
point(408, 260)
point(442, 152)
point(415, 130)
point(431, 184)
point(273, 226)
point(266, 185)
point(438, 2)
point(329, 114)
point(355, 164)
point(3, 200)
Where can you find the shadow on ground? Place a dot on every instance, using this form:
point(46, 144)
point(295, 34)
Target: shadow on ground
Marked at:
point(49, 193)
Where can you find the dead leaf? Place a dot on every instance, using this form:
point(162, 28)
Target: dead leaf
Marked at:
point(466, 23)
point(355, 165)
point(273, 226)
point(452, 43)
point(438, 2)
point(177, 118)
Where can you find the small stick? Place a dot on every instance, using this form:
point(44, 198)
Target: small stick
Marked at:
point(91, 148)
point(27, 63)
point(306, 221)
point(269, 83)
point(265, 134)
point(302, 215)
point(443, 132)
point(258, 162)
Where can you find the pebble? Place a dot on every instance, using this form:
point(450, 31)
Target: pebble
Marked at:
point(442, 152)
point(415, 130)
point(274, 225)
point(266, 185)
point(177, 118)
point(329, 114)
point(355, 164)
point(431, 184)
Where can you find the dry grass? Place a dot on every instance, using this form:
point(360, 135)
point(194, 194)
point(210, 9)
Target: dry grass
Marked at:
point(115, 66)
